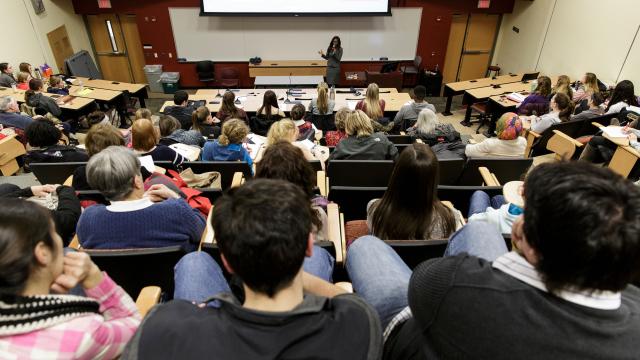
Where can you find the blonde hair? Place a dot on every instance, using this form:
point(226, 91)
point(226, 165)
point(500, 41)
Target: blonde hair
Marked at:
point(199, 116)
point(359, 124)
point(341, 117)
point(563, 85)
point(144, 135)
point(143, 113)
point(372, 102)
point(323, 97)
point(591, 83)
point(233, 132)
point(427, 121)
point(24, 77)
point(282, 130)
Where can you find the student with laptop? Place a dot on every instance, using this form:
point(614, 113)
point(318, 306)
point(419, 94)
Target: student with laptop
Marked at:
point(181, 110)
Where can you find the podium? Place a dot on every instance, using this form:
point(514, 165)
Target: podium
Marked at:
point(288, 68)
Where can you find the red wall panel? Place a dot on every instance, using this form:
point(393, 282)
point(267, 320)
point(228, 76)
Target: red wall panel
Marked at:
point(155, 29)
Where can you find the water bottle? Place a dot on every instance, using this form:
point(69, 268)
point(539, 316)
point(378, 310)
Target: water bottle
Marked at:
point(332, 94)
point(81, 85)
point(38, 74)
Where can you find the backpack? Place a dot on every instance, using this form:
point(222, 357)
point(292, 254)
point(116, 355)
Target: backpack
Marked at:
point(174, 182)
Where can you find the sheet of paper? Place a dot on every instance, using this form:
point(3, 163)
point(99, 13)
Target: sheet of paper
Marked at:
point(614, 132)
point(516, 97)
point(352, 104)
point(147, 163)
point(190, 152)
point(306, 143)
point(254, 149)
point(257, 139)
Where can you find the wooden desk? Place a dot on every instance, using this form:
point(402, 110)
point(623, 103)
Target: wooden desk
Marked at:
point(291, 81)
point(252, 99)
point(96, 94)
point(75, 104)
point(288, 67)
point(458, 88)
point(136, 90)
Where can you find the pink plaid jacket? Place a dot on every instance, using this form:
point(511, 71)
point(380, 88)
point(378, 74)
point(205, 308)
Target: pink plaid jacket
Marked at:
point(89, 337)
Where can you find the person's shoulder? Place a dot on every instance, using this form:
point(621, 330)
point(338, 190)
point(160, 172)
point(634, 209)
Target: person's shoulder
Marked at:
point(180, 317)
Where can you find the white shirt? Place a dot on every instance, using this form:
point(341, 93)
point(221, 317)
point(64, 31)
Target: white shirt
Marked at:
point(497, 147)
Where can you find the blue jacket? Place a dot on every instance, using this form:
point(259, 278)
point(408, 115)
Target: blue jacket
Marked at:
point(15, 120)
point(213, 151)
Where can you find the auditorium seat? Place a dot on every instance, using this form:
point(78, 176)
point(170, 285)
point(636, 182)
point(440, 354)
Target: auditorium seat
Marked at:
point(54, 173)
point(414, 252)
point(359, 172)
point(506, 169)
point(227, 169)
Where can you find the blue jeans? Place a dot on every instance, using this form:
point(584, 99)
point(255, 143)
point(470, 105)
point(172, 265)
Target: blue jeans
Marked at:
point(480, 202)
point(198, 277)
point(381, 278)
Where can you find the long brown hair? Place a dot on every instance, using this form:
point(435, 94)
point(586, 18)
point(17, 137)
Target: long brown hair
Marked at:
point(228, 106)
point(591, 83)
point(544, 86)
point(323, 97)
point(410, 207)
point(565, 105)
point(198, 118)
point(268, 101)
point(372, 102)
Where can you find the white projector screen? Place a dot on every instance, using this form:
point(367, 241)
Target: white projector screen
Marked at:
point(294, 8)
point(364, 38)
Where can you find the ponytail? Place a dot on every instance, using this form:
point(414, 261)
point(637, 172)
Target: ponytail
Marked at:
point(223, 140)
point(565, 105)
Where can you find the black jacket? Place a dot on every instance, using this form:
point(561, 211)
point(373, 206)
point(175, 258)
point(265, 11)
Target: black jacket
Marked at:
point(182, 113)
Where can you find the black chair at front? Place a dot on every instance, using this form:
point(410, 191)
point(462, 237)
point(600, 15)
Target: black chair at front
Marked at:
point(353, 200)
point(400, 139)
point(359, 172)
point(54, 173)
point(205, 70)
point(505, 169)
point(450, 170)
point(414, 252)
point(133, 269)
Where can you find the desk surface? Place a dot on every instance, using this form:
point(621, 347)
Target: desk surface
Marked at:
point(252, 98)
point(95, 93)
point(286, 80)
point(289, 63)
point(478, 83)
point(76, 103)
point(110, 85)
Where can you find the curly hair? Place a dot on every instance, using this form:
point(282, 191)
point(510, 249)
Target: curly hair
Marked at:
point(233, 132)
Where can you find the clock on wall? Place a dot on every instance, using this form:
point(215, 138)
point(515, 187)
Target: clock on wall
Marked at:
point(38, 6)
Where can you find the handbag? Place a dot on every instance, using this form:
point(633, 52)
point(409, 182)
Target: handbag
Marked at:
point(210, 179)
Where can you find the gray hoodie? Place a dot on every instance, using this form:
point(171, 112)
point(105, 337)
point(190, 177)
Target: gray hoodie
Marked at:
point(409, 113)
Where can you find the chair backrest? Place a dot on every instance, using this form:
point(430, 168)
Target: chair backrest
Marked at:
point(134, 269)
point(315, 164)
point(450, 170)
point(414, 252)
point(505, 169)
point(569, 128)
point(459, 196)
point(359, 172)
point(229, 73)
point(400, 139)
point(588, 128)
point(225, 168)
point(211, 194)
point(353, 200)
point(205, 68)
point(324, 122)
point(260, 125)
point(54, 173)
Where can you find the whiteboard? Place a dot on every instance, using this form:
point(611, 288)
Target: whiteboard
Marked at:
point(294, 38)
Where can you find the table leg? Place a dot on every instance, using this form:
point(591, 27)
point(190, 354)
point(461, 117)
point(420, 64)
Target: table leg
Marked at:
point(447, 108)
point(467, 115)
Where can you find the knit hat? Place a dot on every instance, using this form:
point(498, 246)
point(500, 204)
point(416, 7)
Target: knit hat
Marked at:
point(509, 126)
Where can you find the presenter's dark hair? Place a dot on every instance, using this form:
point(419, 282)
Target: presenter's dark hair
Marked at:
point(262, 229)
point(584, 223)
point(331, 43)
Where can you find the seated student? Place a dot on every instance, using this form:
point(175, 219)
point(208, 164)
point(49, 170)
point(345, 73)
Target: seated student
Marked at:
point(172, 133)
point(601, 150)
point(264, 232)
point(57, 86)
point(408, 113)
point(229, 110)
point(6, 75)
point(502, 211)
point(560, 110)
point(228, 146)
point(26, 67)
point(508, 142)
point(181, 110)
point(135, 219)
point(361, 143)
point(269, 109)
point(286, 130)
point(66, 213)
point(372, 105)
point(98, 138)
point(322, 105)
point(23, 81)
point(563, 86)
point(44, 138)
point(203, 122)
point(410, 209)
point(586, 87)
point(143, 113)
point(333, 137)
point(34, 98)
point(97, 117)
point(539, 96)
point(10, 114)
point(595, 100)
point(36, 274)
point(622, 97)
point(287, 162)
point(567, 283)
point(306, 129)
point(431, 131)
point(144, 138)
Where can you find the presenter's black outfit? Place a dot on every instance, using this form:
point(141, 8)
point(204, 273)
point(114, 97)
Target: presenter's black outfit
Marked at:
point(333, 58)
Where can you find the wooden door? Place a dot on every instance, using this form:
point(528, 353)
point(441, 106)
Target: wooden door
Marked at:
point(118, 47)
point(478, 46)
point(454, 48)
point(60, 46)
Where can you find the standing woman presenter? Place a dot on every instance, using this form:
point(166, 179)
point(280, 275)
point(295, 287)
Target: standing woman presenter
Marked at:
point(333, 57)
